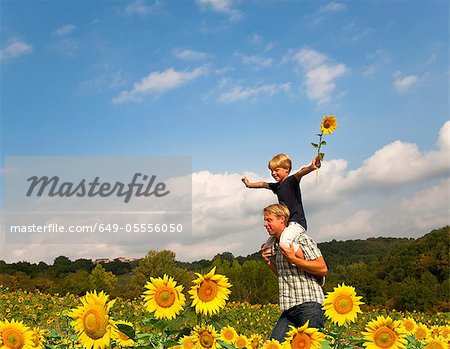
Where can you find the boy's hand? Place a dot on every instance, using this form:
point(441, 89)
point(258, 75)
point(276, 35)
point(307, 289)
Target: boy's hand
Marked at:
point(245, 181)
point(316, 164)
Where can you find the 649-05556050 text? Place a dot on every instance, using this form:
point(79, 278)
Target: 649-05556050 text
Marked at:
point(99, 228)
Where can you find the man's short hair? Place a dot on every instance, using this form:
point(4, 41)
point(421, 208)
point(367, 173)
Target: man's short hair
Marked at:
point(279, 211)
point(282, 161)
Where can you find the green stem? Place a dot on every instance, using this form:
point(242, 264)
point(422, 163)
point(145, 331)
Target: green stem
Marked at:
point(320, 143)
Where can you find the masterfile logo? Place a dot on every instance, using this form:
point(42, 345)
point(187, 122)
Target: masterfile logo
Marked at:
point(96, 198)
point(94, 187)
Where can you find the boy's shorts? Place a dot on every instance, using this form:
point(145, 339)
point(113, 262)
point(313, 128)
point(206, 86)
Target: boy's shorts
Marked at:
point(288, 237)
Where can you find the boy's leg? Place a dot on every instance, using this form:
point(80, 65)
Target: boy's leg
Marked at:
point(290, 235)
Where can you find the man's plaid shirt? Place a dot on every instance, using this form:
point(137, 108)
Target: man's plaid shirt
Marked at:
point(295, 285)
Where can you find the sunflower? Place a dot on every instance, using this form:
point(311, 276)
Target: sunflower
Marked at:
point(421, 332)
point(228, 335)
point(410, 325)
point(39, 338)
point(15, 335)
point(122, 340)
point(436, 343)
point(342, 305)
point(164, 297)
point(186, 342)
point(209, 292)
point(91, 321)
point(303, 337)
point(329, 124)
point(256, 341)
point(384, 333)
point(435, 331)
point(271, 344)
point(205, 337)
point(445, 330)
point(241, 342)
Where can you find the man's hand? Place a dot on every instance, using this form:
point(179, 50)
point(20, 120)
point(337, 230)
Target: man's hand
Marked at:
point(266, 253)
point(288, 252)
point(245, 181)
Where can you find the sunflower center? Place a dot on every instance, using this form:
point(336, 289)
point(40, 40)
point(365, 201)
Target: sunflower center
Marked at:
point(35, 339)
point(301, 341)
point(95, 321)
point(343, 304)
point(409, 326)
point(384, 337)
point(13, 339)
point(187, 344)
point(240, 343)
point(206, 339)
point(207, 291)
point(420, 333)
point(165, 297)
point(228, 334)
point(326, 124)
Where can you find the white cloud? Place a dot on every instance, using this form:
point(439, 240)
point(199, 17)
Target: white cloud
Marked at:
point(403, 84)
point(15, 48)
point(64, 30)
point(140, 8)
point(239, 93)
point(378, 60)
point(399, 191)
point(221, 6)
point(333, 7)
point(320, 73)
point(159, 82)
point(257, 61)
point(190, 55)
point(430, 207)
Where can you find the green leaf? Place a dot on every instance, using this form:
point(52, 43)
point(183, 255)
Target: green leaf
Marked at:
point(225, 345)
point(323, 143)
point(127, 330)
point(315, 145)
point(143, 335)
point(321, 155)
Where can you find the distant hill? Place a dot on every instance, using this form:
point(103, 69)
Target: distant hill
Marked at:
point(400, 273)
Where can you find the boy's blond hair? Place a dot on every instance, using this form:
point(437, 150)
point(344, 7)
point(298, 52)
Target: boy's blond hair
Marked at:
point(282, 161)
point(278, 210)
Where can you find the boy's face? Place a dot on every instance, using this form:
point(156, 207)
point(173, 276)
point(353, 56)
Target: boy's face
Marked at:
point(273, 224)
point(279, 173)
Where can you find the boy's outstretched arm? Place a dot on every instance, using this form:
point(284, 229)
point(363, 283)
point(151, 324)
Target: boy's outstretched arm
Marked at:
point(315, 164)
point(248, 184)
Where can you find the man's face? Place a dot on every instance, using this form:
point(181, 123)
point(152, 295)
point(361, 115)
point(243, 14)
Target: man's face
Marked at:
point(273, 224)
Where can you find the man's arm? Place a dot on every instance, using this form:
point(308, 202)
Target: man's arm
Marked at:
point(248, 184)
point(314, 266)
point(315, 164)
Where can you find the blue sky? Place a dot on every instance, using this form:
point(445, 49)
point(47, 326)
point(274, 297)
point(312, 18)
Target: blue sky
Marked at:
point(232, 83)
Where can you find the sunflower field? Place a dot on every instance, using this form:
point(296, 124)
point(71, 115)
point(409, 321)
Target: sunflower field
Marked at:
point(162, 318)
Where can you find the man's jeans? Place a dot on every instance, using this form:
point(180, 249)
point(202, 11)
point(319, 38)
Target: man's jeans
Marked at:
point(297, 317)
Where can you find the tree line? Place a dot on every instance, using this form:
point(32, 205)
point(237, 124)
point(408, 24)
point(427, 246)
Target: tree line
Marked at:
point(393, 273)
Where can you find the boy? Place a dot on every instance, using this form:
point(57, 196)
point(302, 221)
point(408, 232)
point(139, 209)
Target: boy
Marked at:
point(287, 189)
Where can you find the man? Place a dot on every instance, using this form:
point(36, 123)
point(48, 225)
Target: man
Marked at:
point(300, 294)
